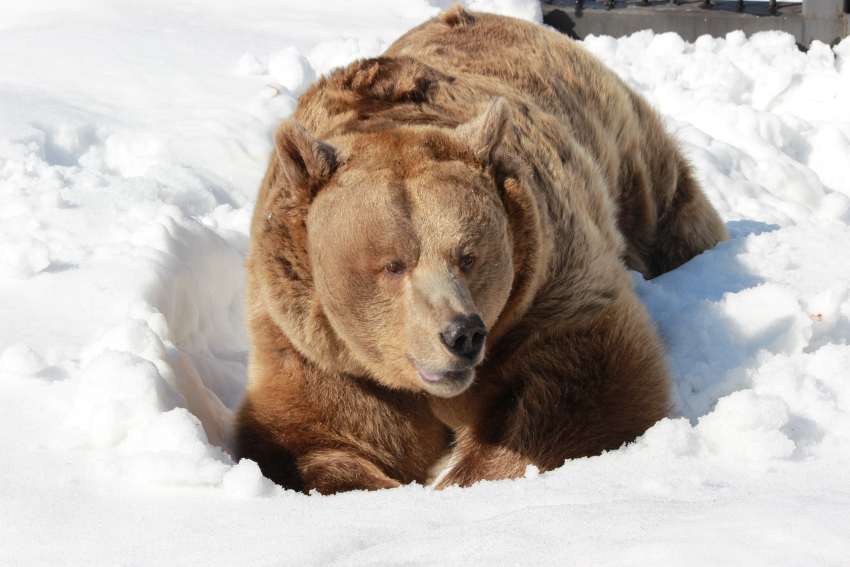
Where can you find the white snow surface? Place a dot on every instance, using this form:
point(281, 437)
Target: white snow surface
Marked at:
point(133, 137)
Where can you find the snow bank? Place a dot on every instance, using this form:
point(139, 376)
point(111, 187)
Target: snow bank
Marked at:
point(132, 142)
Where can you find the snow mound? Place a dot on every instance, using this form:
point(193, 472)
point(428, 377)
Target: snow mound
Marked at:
point(131, 148)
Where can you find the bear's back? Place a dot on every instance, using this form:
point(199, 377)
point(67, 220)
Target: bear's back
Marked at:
point(578, 110)
point(550, 69)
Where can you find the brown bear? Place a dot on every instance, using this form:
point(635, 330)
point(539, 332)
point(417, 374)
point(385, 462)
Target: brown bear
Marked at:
point(439, 270)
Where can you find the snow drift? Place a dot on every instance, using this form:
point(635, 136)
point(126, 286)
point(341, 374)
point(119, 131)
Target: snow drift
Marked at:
point(132, 141)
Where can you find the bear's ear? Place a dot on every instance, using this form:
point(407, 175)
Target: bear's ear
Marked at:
point(305, 162)
point(484, 133)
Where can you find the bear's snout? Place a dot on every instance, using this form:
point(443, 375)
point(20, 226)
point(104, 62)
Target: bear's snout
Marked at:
point(464, 337)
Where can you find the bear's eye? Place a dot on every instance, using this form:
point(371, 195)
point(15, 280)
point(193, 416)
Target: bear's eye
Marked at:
point(466, 262)
point(394, 268)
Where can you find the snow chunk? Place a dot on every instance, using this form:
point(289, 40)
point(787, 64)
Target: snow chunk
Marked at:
point(769, 317)
point(170, 449)
point(133, 336)
point(245, 479)
point(115, 392)
point(130, 154)
point(340, 52)
point(23, 259)
point(834, 206)
point(250, 65)
point(531, 471)
point(21, 359)
point(670, 437)
point(292, 70)
point(53, 200)
point(748, 425)
point(668, 44)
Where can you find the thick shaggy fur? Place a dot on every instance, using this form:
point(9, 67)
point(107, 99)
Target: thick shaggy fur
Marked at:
point(484, 176)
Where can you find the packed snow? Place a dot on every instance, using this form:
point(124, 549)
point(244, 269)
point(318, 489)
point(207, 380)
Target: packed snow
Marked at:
point(133, 137)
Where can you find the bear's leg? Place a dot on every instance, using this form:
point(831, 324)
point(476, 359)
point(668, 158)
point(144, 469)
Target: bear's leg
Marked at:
point(299, 461)
point(331, 470)
point(561, 394)
point(471, 461)
point(308, 430)
point(688, 227)
point(259, 441)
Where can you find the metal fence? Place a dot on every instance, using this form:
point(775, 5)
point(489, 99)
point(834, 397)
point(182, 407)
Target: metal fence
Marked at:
point(823, 20)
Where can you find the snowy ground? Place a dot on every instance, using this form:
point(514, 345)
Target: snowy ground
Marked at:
point(132, 140)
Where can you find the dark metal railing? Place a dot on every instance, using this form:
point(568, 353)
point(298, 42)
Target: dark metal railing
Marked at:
point(739, 5)
point(807, 20)
point(706, 4)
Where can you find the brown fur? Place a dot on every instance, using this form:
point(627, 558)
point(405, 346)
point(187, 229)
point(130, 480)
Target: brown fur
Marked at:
point(484, 176)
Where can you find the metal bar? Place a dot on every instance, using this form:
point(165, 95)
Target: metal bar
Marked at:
point(823, 20)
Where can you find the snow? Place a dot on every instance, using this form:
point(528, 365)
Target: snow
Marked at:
point(132, 141)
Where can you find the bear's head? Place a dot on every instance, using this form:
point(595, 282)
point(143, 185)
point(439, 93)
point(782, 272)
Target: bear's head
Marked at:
point(389, 252)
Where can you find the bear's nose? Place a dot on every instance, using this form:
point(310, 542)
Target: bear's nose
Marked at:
point(465, 336)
